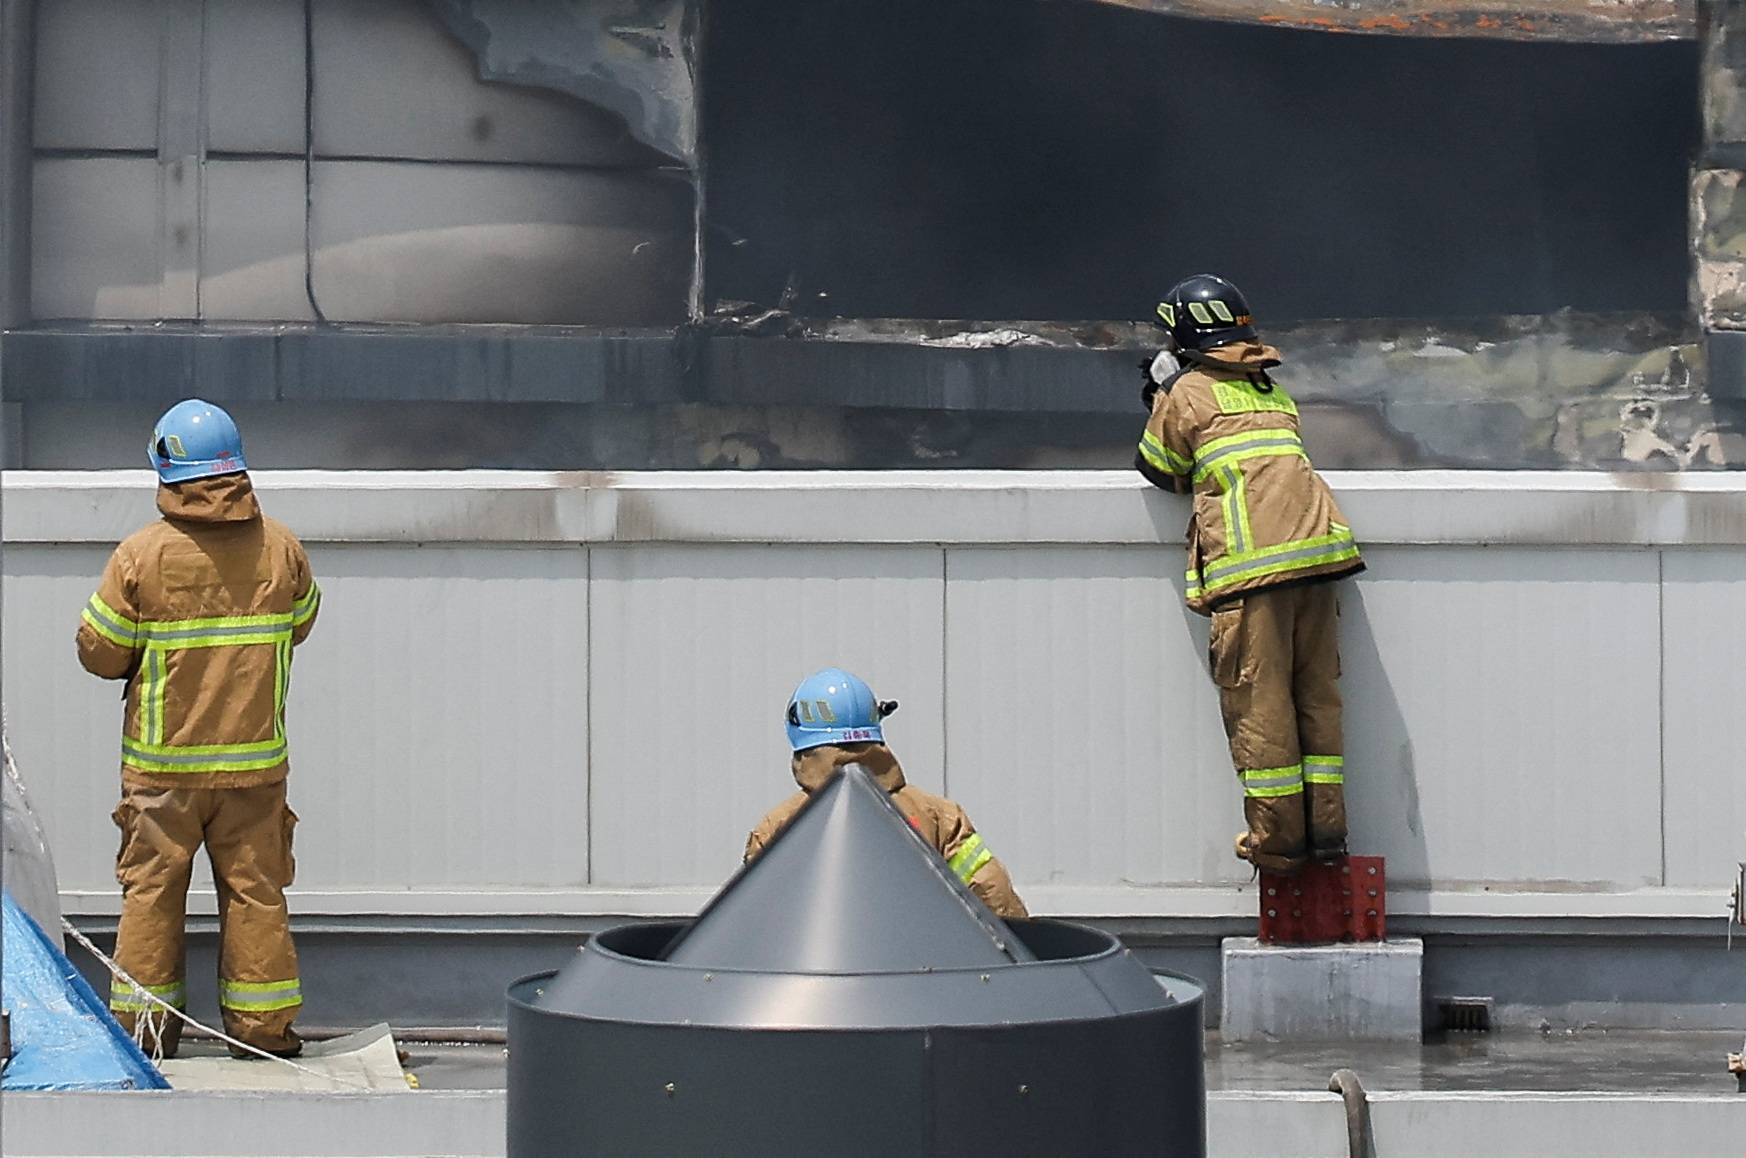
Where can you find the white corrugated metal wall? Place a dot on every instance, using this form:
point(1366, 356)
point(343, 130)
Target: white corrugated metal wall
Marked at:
point(583, 716)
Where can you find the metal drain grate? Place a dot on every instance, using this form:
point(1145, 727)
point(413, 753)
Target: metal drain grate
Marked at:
point(1464, 1014)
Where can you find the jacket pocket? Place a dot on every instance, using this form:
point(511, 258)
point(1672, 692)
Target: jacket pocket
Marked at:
point(1225, 646)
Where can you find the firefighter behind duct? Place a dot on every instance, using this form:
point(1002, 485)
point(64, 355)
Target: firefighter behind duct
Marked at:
point(1265, 543)
point(834, 720)
point(198, 612)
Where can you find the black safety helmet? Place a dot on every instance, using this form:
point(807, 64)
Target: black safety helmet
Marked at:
point(1205, 311)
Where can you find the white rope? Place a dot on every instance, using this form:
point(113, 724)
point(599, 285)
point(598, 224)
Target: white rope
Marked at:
point(139, 1022)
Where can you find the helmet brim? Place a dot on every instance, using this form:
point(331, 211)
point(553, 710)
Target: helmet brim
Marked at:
point(1211, 339)
point(802, 739)
point(180, 472)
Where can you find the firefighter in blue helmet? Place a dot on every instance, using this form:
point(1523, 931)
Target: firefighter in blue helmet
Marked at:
point(833, 720)
point(197, 614)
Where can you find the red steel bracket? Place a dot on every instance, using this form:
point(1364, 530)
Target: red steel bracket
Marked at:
point(1342, 900)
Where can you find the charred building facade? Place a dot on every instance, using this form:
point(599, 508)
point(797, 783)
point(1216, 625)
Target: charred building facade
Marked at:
point(685, 233)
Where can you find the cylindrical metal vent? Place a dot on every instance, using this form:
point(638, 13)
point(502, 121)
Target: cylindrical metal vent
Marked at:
point(756, 1030)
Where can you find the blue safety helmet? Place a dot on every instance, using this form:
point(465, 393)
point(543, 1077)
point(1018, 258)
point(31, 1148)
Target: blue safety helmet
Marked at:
point(195, 439)
point(834, 707)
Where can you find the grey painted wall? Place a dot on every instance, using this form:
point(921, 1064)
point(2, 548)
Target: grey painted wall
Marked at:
point(177, 175)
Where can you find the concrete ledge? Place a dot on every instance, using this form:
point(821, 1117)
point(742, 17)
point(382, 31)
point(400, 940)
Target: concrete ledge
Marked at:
point(160, 1124)
point(970, 508)
point(1592, 912)
point(1493, 1123)
point(1363, 992)
point(1279, 1124)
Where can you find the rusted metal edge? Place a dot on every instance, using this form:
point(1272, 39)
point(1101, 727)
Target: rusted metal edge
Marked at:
point(1576, 21)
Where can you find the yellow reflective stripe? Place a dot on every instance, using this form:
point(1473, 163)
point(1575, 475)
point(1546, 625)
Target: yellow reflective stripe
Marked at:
point(222, 631)
point(1263, 567)
point(1237, 396)
point(1152, 456)
point(103, 629)
point(242, 638)
point(1269, 782)
point(1153, 450)
point(276, 619)
point(244, 747)
point(151, 696)
point(1238, 533)
point(1324, 769)
point(249, 757)
point(1293, 553)
point(1235, 448)
point(1216, 447)
point(304, 609)
point(281, 685)
point(970, 857)
point(121, 621)
point(260, 996)
point(123, 998)
point(110, 623)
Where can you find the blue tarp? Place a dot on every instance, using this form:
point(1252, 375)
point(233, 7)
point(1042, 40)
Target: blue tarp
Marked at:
point(62, 1035)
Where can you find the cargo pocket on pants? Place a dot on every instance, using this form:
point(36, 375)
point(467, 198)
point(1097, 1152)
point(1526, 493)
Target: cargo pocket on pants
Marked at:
point(1224, 646)
point(289, 828)
point(123, 816)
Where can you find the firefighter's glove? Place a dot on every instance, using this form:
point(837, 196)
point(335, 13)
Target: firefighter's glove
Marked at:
point(1148, 388)
point(1158, 371)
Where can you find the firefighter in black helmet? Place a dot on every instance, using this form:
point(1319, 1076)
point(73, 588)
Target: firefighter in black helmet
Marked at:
point(1265, 542)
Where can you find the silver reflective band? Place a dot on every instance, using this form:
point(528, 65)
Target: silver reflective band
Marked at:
point(98, 613)
point(273, 753)
point(160, 635)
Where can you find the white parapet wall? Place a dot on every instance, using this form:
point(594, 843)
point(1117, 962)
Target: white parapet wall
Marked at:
point(561, 693)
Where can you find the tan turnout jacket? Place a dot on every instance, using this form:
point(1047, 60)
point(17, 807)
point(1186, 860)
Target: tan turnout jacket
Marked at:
point(939, 821)
point(198, 613)
point(1262, 516)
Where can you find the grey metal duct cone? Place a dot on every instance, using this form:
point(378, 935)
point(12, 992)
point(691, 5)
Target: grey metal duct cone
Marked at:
point(845, 995)
point(847, 887)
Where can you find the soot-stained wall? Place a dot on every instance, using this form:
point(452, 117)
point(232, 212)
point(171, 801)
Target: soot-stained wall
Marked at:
point(1025, 159)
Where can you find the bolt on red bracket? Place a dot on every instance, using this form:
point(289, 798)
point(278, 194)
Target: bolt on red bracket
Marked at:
point(1342, 900)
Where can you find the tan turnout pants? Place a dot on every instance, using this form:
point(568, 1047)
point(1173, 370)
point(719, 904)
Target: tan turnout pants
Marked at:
point(247, 833)
point(1276, 659)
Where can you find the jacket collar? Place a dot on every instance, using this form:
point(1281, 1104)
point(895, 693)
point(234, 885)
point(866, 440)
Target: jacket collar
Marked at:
point(815, 765)
point(225, 498)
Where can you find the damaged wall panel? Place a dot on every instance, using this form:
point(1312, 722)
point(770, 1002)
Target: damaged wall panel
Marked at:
point(394, 83)
point(1100, 154)
point(635, 58)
